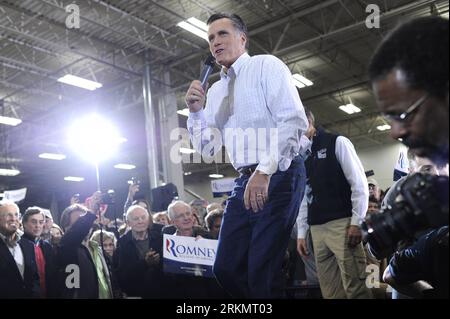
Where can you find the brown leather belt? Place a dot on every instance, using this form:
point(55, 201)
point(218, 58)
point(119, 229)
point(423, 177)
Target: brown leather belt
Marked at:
point(248, 170)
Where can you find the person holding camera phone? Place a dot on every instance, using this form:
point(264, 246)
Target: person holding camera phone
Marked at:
point(76, 249)
point(133, 189)
point(409, 76)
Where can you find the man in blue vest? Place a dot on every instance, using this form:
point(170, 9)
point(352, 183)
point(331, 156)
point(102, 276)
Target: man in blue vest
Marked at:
point(335, 202)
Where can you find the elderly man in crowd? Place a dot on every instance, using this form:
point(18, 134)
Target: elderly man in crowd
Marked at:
point(138, 257)
point(19, 278)
point(182, 218)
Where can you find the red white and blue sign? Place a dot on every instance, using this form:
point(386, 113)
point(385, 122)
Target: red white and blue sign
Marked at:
point(189, 255)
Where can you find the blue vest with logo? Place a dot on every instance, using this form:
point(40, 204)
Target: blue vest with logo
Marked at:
point(331, 192)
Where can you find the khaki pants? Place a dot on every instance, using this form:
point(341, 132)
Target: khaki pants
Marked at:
point(341, 269)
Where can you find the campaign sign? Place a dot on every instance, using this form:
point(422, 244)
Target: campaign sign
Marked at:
point(221, 187)
point(189, 255)
point(16, 195)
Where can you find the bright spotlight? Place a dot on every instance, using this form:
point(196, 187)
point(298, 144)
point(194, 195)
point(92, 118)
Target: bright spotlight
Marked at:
point(94, 138)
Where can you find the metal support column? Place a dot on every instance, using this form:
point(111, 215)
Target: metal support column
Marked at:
point(150, 127)
point(173, 173)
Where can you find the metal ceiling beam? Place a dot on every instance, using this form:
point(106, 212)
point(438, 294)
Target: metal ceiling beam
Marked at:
point(33, 69)
point(383, 16)
point(62, 50)
point(281, 38)
point(360, 85)
point(33, 90)
point(123, 34)
point(50, 22)
point(297, 15)
point(203, 6)
point(70, 50)
point(145, 22)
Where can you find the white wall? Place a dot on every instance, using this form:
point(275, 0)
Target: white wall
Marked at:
point(381, 159)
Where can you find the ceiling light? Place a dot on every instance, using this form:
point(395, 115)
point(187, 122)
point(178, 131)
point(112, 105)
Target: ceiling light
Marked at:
point(350, 109)
point(73, 179)
point(299, 84)
point(10, 121)
point(383, 128)
point(184, 112)
point(184, 150)
point(80, 82)
point(300, 81)
point(192, 27)
point(94, 138)
point(216, 176)
point(125, 166)
point(187, 173)
point(9, 172)
point(199, 24)
point(52, 156)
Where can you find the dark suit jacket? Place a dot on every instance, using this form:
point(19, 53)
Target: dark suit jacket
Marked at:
point(135, 277)
point(12, 285)
point(51, 269)
point(72, 252)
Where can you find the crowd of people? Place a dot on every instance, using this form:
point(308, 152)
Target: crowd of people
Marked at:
point(115, 259)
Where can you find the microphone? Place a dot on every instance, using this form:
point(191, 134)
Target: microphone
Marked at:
point(207, 70)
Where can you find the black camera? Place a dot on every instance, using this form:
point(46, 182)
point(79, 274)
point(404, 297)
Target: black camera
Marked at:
point(421, 204)
point(108, 198)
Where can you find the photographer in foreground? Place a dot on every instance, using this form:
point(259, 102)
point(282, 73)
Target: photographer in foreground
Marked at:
point(409, 75)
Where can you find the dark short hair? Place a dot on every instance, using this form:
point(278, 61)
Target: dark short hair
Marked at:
point(420, 49)
point(373, 199)
point(65, 216)
point(237, 21)
point(212, 216)
point(30, 212)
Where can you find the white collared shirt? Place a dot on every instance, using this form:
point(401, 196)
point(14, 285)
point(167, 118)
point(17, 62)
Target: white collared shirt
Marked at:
point(256, 93)
point(356, 177)
point(16, 253)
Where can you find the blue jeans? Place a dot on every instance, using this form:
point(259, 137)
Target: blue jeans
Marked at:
point(252, 245)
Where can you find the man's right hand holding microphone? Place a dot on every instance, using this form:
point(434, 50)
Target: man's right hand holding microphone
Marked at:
point(195, 97)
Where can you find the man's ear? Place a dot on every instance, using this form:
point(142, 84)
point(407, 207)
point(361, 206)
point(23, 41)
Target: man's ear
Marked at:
point(244, 39)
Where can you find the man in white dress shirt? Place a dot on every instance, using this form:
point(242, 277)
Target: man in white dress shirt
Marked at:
point(335, 203)
point(256, 108)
